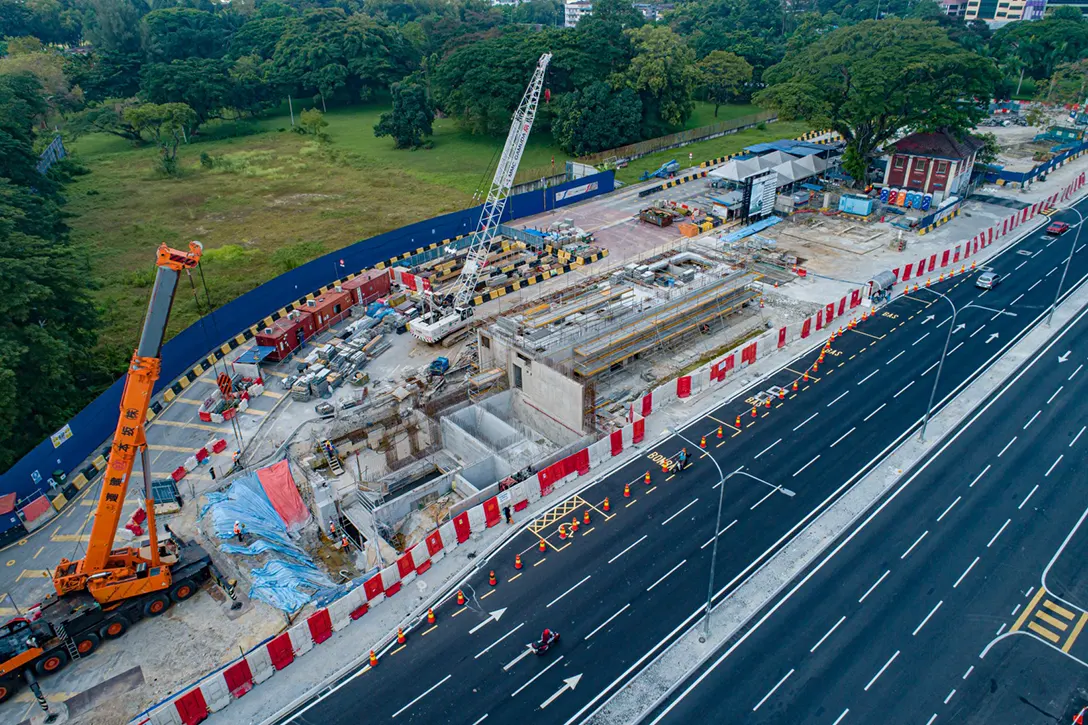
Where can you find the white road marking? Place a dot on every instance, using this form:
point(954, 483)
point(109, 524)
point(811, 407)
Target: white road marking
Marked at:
point(538, 674)
point(1077, 437)
point(980, 475)
point(1052, 465)
point(767, 696)
point(527, 651)
point(1015, 610)
point(991, 542)
point(965, 572)
point(1030, 494)
point(846, 434)
point(837, 399)
point(806, 465)
point(881, 672)
point(413, 702)
point(1001, 628)
point(666, 575)
point(770, 493)
point(500, 639)
point(874, 586)
point(1037, 283)
point(949, 508)
point(968, 672)
point(977, 331)
point(931, 613)
point(1032, 420)
point(1060, 387)
point(840, 717)
point(1020, 265)
point(768, 448)
point(930, 368)
point(1051, 271)
point(1015, 301)
point(680, 512)
point(931, 719)
point(711, 539)
point(805, 421)
point(869, 376)
point(1029, 592)
point(904, 389)
point(1036, 254)
point(492, 617)
point(627, 549)
point(875, 412)
point(480, 720)
point(949, 696)
point(833, 628)
point(896, 357)
point(1006, 447)
point(918, 541)
point(957, 347)
point(569, 591)
point(1075, 372)
point(919, 339)
point(605, 623)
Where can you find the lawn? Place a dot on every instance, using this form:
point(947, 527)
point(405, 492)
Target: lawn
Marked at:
point(272, 200)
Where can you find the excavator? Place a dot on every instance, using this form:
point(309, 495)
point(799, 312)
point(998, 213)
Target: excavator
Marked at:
point(101, 595)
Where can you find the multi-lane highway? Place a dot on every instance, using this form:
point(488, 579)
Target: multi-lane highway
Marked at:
point(623, 587)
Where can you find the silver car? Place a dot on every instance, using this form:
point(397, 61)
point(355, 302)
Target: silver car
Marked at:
point(987, 280)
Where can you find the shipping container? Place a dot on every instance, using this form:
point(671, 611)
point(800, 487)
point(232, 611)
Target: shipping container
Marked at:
point(368, 286)
point(287, 334)
point(328, 309)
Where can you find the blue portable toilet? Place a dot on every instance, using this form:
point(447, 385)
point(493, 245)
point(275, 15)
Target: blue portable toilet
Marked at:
point(927, 201)
point(884, 195)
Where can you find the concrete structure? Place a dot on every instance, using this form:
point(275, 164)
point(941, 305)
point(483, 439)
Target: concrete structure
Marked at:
point(573, 10)
point(935, 163)
point(999, 12)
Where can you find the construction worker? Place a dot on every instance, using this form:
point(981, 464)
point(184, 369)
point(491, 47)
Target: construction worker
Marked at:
point(506, 513)
point(344, 543)
point(240, 532)
point(682, 459)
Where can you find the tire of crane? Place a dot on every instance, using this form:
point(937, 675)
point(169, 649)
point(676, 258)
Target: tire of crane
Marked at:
point(52, 661)
point(86, 643)
point(156, 605)
point(8, 687)
point(114, 627)
point(182, 590)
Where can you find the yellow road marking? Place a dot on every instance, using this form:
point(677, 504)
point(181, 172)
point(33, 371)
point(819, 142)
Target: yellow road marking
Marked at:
point(174, 449)
point(850, 358)
point(727, 425)
point(1052, 621)
point(651, 490)
point(1027, 610)
point(71, 538)
point(181, 400)
point(1059, 609)
point(424, 634)
point(805, 388)
point(254, 411)
point(629, 505)
point(732, 436)
point(723, 442)
point(583, 534)
point(872, 336)
point(1076, 632)
point(764, 415)
point(32, 574)
point(779, 405)
point(272, 394)
point(398, 649)
point(541, 561)
point(462, 609)
point(751, 424)
point(488, 594)
point(179, 424)
point(38, 552)
point(1043, 631)
point(672, 476)
point(514, 577)
point(801, 375)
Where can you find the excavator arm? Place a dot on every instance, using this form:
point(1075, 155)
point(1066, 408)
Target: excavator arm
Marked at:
point(119, 574)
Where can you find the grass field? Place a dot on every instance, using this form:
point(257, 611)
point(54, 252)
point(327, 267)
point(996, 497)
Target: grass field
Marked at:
point(274, 199)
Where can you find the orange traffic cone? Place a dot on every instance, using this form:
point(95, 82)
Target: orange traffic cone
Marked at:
point(543, 546)
point(646, 478)
point(738, 422)
point(916, 287)
point(702, 442)
point(430, 616)
point(816, 367)
point(627, 490)
point(373, 659)
point(941, 278)
point(781, 393)
point(605, 507)
point(805, 376)
point(585, 517)
point(754, 413)
point(664, 466)
point(517, 561)
point(562, 532)
point(400, 636)
point(491, 578)
point(795, 384)
point(461, 594)
point(928, 280)
point(972, 265)
point(720, 432)
point(1078, 719)
point(574, 526)
point(768, 402)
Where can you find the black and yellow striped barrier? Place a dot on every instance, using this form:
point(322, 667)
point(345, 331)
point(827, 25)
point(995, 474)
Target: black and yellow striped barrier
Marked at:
point(537, 279)
point(938, 222)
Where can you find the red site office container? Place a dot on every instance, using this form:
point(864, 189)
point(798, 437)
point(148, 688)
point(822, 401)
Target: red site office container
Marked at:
point(286, 334)
point(328, 309)
point(368, 286)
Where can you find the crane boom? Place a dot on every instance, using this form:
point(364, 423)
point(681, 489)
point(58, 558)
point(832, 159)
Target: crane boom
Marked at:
point(439, 323)
point(103, 569)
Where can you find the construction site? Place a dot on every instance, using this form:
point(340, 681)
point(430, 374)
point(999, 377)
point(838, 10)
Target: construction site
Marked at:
point(319, 454)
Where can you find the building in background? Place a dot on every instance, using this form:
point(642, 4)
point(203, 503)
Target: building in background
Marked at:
point(955, 8)
point(1052, 5)
point(999, 12)
point(934, 163)
point(573, 10)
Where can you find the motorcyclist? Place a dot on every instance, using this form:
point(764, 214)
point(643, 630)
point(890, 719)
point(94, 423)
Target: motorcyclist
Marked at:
point(546, 637)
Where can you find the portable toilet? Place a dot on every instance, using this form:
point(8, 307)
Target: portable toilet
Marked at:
point(901, 197)
point(884, 195)
point(927, 201)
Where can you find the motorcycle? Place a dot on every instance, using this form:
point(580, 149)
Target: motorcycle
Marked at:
point(542, 646)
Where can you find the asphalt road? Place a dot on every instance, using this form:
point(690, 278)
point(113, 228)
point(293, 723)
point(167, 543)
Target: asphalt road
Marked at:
point(889, 626)
point(624, 586)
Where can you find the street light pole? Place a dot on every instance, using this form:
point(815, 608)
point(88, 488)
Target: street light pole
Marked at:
point(1068, 260)
point(722, 478)
point(940, 363)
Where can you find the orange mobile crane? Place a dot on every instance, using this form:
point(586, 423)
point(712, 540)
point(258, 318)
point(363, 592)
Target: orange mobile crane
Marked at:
point(99, 596)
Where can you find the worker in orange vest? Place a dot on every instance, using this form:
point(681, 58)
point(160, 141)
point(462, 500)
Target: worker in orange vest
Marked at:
point(240, 532)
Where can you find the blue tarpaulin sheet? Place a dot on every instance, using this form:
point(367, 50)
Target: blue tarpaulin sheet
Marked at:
point(254, 356)
point(751, 229)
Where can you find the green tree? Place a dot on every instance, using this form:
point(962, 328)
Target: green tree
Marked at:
point(725, 76)
point(1042, 45)
point(411, 117)
point(107, 116)
point(596, 118)
point(177, 33)
point(48, 67)
point(312, 122)
point(257, 37)
point(251, 90)
point(858, 81)
point(114, 25)
point(165, 125)
point(1069, 84)
point(663, 73)
point(25, 45)
point(203, 84)
point(990, 149)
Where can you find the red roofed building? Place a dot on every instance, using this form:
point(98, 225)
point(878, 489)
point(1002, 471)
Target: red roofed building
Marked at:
point(936, 163)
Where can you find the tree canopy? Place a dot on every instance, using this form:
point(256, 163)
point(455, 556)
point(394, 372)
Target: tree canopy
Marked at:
point(411, 118)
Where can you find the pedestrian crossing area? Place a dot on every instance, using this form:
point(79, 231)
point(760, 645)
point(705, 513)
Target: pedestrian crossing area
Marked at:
point(1054, 621)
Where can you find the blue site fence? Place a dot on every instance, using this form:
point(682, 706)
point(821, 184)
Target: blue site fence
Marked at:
point(1020, 177)
point(31, 473)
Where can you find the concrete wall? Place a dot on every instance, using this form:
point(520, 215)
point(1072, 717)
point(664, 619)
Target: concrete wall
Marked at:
point(486, 472)
point(462, 444)
point(392, 512)
point(552, 395)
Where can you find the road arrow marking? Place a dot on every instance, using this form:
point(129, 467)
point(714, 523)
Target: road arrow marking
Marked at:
point(958, 328)
point(568, 684)
point(1063, 358)
point(931, 318)
point(991, 338)
point(492, 617)
point(528, 651)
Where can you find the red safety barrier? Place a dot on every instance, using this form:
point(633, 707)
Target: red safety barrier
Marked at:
point(991, 233)
point(842, 306)
point(201, 455)
point(727, 364)
point(204, 416)
point(1005, 226)
point(638, 431)
point(491, 511)
point(280, 651)
point(944, 258)
point(647, 404)
point(229, 414)
point(819, 319)
point(906, 270)
point(782, 337)
point(462, 527)
point(579, 462)
point(896, 273)
point(829, 313)
point(806, 328)
point(434, 543)
point(616, 440)
point(191, 707)
point(932, 262)
point(320, 624)
point(683, 386)
point(748, 354)
point(373, 586)
point(219, 446)
point(521, 505)
point(178, 473)
point(239, 678)
point(956, 254)
point(405, 565)
point(855, 298)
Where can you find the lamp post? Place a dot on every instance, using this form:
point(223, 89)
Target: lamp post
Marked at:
point(722, 478)
point(940, 363)
point(1068, 260)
